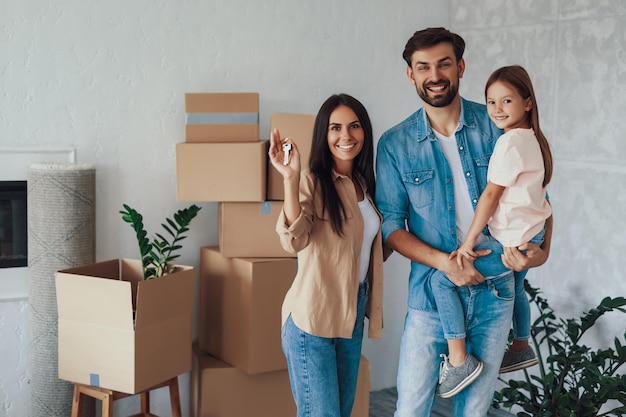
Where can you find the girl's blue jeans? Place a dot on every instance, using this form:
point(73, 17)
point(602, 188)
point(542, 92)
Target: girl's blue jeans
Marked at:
point(448, 303)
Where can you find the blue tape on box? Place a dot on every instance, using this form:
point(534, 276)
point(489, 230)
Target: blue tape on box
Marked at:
point(221, 118)
point(94, 380)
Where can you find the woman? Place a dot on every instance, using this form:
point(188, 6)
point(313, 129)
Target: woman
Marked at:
point(330, 221)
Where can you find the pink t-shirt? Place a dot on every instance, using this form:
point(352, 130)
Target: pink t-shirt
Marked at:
point(517, 164)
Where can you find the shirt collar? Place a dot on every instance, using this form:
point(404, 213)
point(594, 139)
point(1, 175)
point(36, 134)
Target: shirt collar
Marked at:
point(337, 175)
point(466, 119)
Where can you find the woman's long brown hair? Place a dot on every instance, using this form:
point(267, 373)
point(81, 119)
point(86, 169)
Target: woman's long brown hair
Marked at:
point(321, 160)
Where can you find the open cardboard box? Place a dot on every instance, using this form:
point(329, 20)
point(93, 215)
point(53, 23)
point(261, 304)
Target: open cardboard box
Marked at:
point(119, 332)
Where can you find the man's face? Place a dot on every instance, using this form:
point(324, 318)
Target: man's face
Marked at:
point(435, 73)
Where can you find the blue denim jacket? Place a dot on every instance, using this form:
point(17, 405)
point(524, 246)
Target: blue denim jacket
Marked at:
point(414, 185)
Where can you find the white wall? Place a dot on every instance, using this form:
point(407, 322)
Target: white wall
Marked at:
point(575, 52)
point(109, 79)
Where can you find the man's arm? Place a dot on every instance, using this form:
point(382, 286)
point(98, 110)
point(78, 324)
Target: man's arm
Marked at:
point(410, 246)
point(535, 255)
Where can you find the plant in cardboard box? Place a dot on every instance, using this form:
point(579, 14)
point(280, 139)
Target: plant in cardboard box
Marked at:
point(572, 379)
point(158, 253)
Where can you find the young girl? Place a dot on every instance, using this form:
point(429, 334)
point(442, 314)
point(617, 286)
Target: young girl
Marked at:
point(330, 221)
point(513, 206)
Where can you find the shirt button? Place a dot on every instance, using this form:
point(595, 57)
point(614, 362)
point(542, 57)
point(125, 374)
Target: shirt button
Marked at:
point(450, 207)
point(467, 174)
point(448, 180)
point(475, 201)
point(417, 179)
point(461, 148)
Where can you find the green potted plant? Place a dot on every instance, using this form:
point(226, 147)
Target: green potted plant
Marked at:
point(158, 253)
point(572, 379)
point(117, 312)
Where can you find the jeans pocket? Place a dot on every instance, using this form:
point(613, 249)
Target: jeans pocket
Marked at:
point(503, 287)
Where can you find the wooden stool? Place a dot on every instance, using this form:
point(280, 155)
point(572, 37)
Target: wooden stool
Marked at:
point(107, 397)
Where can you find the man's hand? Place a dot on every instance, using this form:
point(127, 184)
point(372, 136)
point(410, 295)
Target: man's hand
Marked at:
point(465, 275)
point(514, 259)
point(408, 245)
point(535, 256)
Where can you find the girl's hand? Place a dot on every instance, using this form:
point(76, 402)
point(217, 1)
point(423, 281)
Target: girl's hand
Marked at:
point(466, 251)
point(277, 155)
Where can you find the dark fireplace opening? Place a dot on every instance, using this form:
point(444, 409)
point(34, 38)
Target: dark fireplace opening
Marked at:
point(13, 226)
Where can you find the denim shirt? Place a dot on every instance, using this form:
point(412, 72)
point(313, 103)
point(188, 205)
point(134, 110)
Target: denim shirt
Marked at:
point(414, 185)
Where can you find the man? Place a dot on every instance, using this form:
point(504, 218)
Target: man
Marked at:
point(431, 169)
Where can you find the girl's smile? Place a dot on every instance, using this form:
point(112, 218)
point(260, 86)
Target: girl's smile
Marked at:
point(506, 108)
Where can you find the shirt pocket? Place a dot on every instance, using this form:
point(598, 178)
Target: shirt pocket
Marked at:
point(482, 165)
point(420, 187)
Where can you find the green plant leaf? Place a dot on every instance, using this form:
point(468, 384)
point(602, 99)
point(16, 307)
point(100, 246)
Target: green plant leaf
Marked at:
point(572, 379)
point(157, 252)
point(167, 229)
point(162, 241)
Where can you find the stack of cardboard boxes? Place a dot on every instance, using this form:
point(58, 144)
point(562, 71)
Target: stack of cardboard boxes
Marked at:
point(239, 367)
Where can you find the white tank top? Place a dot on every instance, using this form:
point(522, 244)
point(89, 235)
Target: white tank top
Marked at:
point(371, 225)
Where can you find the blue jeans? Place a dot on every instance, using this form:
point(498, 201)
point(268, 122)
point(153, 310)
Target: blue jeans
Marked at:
point(521, 312)
point(323, 371)
point(488, 307)
point(446, 292)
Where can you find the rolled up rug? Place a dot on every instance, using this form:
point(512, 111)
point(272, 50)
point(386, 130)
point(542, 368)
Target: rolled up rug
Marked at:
point(61, 208)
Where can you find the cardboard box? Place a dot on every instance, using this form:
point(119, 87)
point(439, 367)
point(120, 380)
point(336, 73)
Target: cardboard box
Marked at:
point(119, 332)
point(249, 230)
point(240, 309)
point(218, 389)
point(221, 171)
point(299, 127)
point(221, 390)
point(221, 117)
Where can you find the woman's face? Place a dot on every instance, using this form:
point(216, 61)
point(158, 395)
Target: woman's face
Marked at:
point(345, 138)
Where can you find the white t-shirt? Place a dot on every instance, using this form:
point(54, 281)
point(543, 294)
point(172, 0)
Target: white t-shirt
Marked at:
point(517, 164)
point(462, 200)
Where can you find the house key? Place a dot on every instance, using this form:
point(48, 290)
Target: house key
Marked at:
point(286, 150)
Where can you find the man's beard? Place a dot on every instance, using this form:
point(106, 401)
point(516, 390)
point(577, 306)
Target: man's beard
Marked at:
point(439, 100)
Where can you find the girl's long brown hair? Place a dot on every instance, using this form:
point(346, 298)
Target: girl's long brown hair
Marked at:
point(517, 77)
